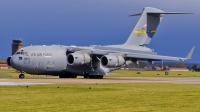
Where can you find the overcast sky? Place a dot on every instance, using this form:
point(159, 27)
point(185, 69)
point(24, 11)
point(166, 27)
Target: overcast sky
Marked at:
point(97, 22)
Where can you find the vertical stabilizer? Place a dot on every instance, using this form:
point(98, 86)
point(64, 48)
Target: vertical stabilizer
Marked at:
point(145, 27)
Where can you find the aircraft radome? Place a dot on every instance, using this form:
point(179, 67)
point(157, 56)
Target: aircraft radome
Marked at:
point(94, 61)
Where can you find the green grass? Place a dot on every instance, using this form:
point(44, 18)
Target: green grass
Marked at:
point(101, 98)
point(132, 73)
point(11, 73)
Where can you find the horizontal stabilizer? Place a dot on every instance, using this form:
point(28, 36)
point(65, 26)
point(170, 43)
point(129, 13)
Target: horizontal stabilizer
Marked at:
point(169, 13)
point(152, 13)
point(135, 14)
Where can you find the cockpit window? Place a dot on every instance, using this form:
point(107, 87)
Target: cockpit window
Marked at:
point(17, 53)
point(22, 53)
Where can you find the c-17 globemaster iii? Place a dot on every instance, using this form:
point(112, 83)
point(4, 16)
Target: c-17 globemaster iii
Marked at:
point(94, 61)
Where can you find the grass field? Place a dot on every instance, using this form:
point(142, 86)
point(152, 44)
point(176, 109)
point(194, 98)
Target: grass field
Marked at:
point(101, 98)
point(131, 73)
point(11, 73)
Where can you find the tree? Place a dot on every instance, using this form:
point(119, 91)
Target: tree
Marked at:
point(194, 67)
point(180, 65)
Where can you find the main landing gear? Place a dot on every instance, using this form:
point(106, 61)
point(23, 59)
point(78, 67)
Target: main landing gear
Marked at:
point(86, 75)
point(21, 76)
point(68, 76)
point(95, 76)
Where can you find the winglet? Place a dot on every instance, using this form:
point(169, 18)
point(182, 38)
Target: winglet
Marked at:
point(190, 53)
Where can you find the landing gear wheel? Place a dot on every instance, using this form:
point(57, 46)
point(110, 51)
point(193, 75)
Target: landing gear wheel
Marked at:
point(60, 76)
point(73, 75)
point(85, 76)
point(66, 76)
point(21, 76)
point(92, 76)
point(96, 76)
point(100, 77)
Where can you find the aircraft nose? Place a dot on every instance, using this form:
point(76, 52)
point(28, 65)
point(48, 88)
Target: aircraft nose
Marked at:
point(14, 62)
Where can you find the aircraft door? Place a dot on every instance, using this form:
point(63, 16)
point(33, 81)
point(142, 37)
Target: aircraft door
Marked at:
point(41, 66)
point(20, 62)
point(32, 62)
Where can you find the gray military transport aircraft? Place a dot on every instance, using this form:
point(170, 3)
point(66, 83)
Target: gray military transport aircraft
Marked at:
point(94, 61)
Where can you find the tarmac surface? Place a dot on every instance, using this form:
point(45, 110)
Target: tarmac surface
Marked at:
point(106, 80)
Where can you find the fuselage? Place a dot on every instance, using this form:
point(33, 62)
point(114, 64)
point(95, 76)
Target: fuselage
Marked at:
point(52, 60)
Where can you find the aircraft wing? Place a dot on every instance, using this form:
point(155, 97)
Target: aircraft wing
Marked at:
point(160, 57)
point(139, 56)
point(154, 57)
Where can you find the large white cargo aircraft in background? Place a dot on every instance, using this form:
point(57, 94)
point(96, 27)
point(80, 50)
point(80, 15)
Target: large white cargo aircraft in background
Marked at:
point(94, 61)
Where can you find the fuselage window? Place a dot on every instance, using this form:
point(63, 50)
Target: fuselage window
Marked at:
point(20, 58)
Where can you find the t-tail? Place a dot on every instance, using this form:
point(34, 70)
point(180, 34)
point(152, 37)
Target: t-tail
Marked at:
point(146, 26)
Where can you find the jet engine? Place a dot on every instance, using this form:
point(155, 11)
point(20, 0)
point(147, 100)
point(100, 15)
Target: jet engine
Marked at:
point(112, 61)
point(77, 59)
point(8, 61)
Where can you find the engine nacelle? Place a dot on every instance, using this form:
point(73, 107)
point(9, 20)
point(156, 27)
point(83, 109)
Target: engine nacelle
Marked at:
point(112, 61)
point(77, 59)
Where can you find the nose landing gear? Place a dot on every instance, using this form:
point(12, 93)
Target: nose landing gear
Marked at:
point(21, 76)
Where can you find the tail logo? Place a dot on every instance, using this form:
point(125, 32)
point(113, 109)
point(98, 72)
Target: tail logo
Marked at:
point(144, 31)
point(140, 31)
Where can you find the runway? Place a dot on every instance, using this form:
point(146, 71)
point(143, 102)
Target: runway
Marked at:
point(107, 80)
